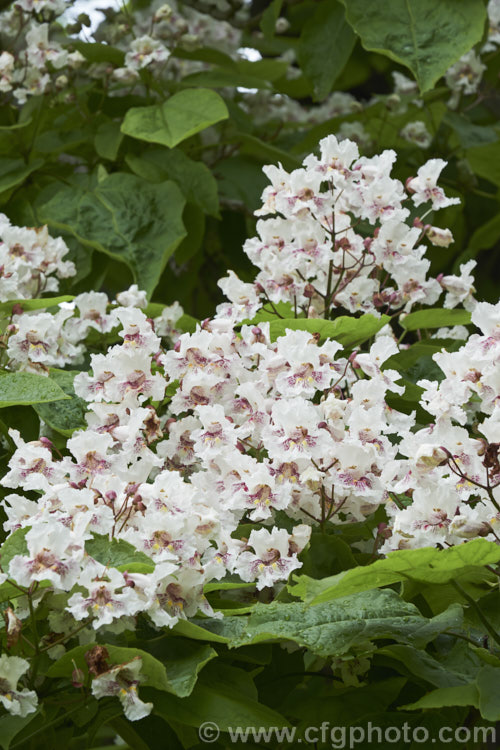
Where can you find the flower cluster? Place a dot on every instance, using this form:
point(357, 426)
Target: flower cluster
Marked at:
point(57, 337)
point(318, 254)
point(31, 261)
point(270, 422)
point(459, 453)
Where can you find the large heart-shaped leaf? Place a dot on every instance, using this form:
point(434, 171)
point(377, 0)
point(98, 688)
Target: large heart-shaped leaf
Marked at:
point(180, 117)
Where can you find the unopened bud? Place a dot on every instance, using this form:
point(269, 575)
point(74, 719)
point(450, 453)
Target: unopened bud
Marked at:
point(77, 677)
point(281, 25)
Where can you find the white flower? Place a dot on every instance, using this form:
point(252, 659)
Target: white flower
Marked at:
point(424, 188)
point(17, 702)
point(122, 681)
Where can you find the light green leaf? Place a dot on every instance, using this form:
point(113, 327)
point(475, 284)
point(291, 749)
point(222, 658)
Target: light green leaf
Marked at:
point(189, 629)
point(425, 36)
point(125, 217)
point(115, 552)
point(333, 628)
point(24, 388)
point(180, 117)
point(425, 564)
point(64, 416)
point(347, 331)
point(457, 695)
point(15, 544)
point(434, 317)
point(34, 304)
point(325, 46)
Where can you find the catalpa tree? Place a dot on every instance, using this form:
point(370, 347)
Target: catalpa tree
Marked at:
point(249, 375)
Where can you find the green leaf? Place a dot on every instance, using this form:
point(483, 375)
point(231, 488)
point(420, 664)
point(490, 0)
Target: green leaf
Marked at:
point(270, 16)
point(124, 217)
point(225, 696)
point(15, 544)
point(468, 133)
point(425, 564)
point(347, 331)
point(325, 46)
point(180, 117)
point(485, 161)
point(107, 140)
point(487, 681)
point(434, 317)
point(194, 178)
point(14, 171)
point(10, 726)
point(189, 629)
point(23, 388)
point(115, 552)
point(485, 236)
point(425, 36)
point(64, 416)
point(457, 695)
point(184, 661)
point(266, 152)
point(34, 304)
point(419, 663)
point(219, 78)
point(153, 672)
point(333, 628)
point(99, 53)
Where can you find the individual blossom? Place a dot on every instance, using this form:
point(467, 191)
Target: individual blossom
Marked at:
point(123, 681)
point(17, 702)
point(145, 51)
point(273, 556)
point(416, 132)
point(424, 188)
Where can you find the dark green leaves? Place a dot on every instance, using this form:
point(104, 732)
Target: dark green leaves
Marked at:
point(425, 36)
point(347, 331)
point(125, 217)
point(195, 180)
point(332, 628)
point(325, 46)
point(64, 416)
point(180, 117)
point(21, 388)
point(14, 171)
